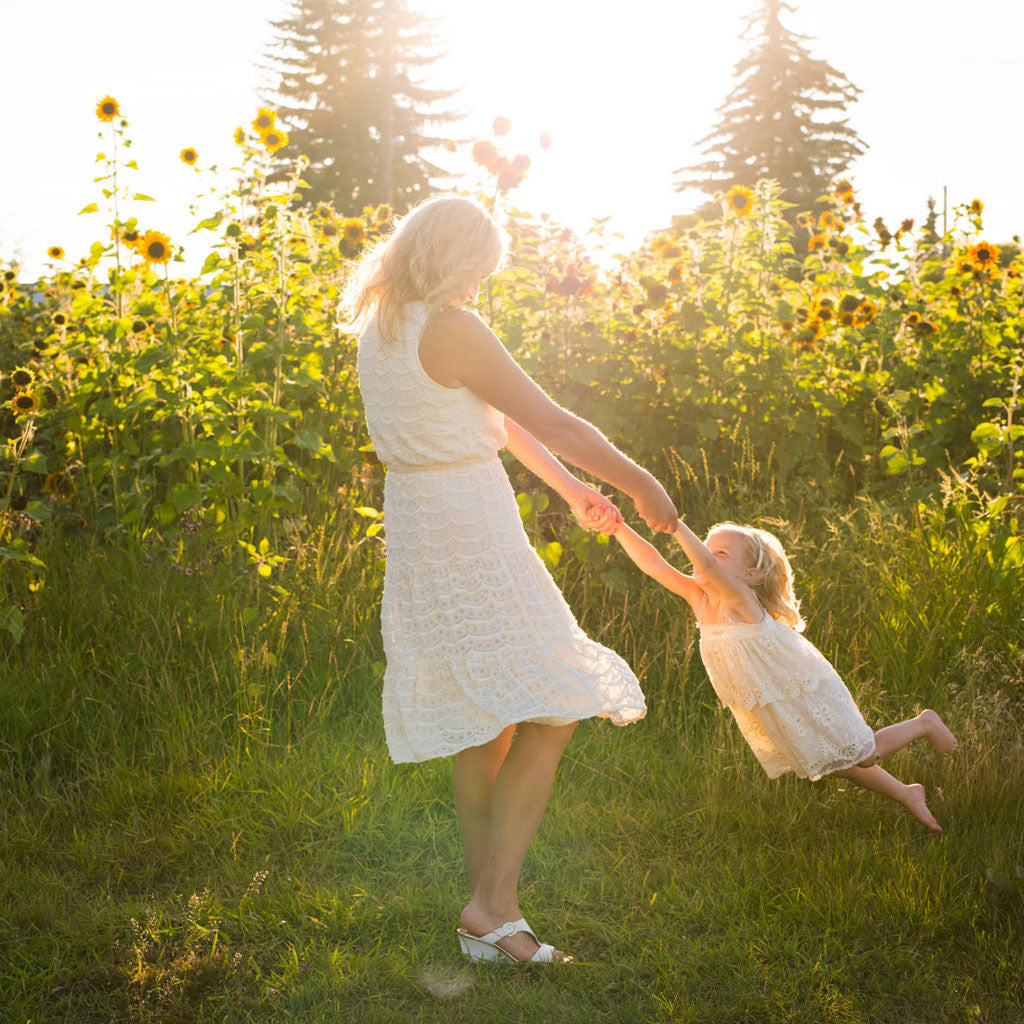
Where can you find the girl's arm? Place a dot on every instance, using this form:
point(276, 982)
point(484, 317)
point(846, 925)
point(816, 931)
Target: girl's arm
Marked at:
point(713, 578)
point(648, 558)
point(469, 350)
point(589, 506)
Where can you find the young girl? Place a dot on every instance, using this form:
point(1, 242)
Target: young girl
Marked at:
point(789, 702)
point(481, 646)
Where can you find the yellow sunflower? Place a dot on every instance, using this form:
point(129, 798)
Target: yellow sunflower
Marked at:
point(22, 378)
point(827, 219)
point(864, 313)
point(739, 199)
point(55, 252)
point(984, 255)
point(239, 135)
point(675, 273)
point(107, 109)
point(274, 139)
point(60, 319)
point(263, 120)
point(844, 191)
point(913, 318)
point(24, 403)
point(61, 485)
point(816, 243)
point(189, 156)
point(382, 215)
point(846, 319)
point(354, 231)
point(977, 206)
point(501, 125)
point(964, 266)
point(155, 247)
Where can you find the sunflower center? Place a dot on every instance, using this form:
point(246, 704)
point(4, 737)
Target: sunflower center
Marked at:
point(109, 108)
point(156, 249)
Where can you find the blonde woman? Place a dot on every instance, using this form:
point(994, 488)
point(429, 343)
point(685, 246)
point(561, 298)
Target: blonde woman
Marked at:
point(484, 657)
point(789, 702)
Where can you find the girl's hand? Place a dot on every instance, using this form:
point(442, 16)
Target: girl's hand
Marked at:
point(655, 506)
point(593, 511)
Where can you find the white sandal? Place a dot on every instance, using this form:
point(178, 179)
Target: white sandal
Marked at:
point(485, 947)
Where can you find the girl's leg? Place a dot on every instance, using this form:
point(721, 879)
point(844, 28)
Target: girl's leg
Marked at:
point(878, 780)
point(895, 737)
point(518, 799)
point(473, 778)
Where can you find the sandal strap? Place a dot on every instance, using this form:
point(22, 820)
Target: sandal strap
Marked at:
point(501, 932)
point(544, 955)
point(522, 926)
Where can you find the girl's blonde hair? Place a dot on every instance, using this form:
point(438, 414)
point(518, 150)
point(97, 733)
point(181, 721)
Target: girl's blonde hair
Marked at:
point(773, 582)
point(432, 256)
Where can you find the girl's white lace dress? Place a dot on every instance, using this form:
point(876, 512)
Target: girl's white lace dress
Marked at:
point(789, 702)
point(476, 633)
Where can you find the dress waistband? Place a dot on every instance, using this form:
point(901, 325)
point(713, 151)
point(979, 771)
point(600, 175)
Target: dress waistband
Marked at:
point(423, 467)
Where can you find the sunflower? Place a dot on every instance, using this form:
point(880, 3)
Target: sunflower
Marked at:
point(739, 199)
point(827, 219)
point(977, 206)
point(865, 313)
point(49, 397)
point(501, 126)
point(22, 378)
point(816, 243)
point(382, 215)
point(844, 191)
point(802, 220)
point(263, 120)
point(60, 319)
point(189, 156)
point(9, 275)
point(485, 154)
point(913, 318)
point(787, 326)
point(675, 273)
point(846, 319)
point(449, 145)
point(330, 230)
point(848, 303)
point(61, 485)
point(274, 139)
point(131, 238)
point(354, 231)
point(984, 255)
point(964, 266)
point(907, 225)
point(24, 402)
point(155, 247)
point(107, 109)
point(138, 326)
point(671, 252)
point(925, 328)
point(55, 252)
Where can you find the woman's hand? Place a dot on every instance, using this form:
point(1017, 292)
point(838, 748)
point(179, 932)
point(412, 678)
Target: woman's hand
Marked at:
point(655, 506)
point(593, 511)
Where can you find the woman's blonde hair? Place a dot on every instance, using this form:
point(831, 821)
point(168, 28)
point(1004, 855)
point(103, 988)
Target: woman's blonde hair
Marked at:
point(432, 256)
point(773, 579)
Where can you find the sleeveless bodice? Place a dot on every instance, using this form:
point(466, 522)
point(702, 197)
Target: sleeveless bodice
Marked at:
point(413, 421)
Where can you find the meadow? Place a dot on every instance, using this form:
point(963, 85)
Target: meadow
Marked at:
point(200, 820)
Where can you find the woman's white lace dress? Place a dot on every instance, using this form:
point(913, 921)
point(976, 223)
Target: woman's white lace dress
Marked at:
point(790, 704)
point(476, 633)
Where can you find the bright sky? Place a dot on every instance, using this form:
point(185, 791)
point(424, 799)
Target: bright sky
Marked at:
point(625, 90)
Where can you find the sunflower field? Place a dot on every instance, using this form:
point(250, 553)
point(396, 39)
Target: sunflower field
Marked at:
point(848, 358)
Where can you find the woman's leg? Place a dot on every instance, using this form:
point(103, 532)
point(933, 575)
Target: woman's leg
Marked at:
point(878, 780)
point(518, 799)
point(473, 778)
point(895, 737)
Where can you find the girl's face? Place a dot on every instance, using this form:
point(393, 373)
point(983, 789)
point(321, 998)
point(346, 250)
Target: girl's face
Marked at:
point(473, 288)
point(730, 551)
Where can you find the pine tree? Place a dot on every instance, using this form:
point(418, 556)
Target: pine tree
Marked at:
point(349, 91)
point(768, 125)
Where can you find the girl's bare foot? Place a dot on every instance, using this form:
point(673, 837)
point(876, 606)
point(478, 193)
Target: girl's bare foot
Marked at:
point(915, 803)
point(941, 739)
point(478, 921)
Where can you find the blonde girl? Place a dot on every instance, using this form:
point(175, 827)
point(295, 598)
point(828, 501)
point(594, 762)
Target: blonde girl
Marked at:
point(481, 646)
point(789, 702)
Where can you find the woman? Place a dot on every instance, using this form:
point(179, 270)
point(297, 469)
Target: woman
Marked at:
point(481, 647)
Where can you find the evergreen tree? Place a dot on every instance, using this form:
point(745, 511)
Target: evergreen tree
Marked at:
point(769, 125)
point(350, 93)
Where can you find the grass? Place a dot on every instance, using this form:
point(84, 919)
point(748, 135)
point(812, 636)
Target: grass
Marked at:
point(200, 821)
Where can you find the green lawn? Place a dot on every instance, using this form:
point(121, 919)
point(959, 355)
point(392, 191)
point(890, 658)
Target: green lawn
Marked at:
point(200, 821)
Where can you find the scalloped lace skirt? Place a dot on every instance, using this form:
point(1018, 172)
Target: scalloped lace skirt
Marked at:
point(817, 733)
point(476, 633)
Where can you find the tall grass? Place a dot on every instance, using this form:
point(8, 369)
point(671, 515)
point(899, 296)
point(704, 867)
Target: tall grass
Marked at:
point(201, 822)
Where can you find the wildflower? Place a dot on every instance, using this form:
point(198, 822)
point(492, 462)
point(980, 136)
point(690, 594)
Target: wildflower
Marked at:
point(61, 485)
point(485, 154)
point(984, 256)
point(24, 402)
point(22, 378)
point(739, 199)
point(353, 231)
point(274, 139)
point(865, 313)
point(107, 109)
point(501, 126)
point(155, 247)
point(816, 243)
point(382, 215)
point(239, 136)
point(263, 120)
point(55, 252)
point(977, 206)
point(189, 156)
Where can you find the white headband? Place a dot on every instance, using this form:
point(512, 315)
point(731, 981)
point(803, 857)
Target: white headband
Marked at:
point(760, 551)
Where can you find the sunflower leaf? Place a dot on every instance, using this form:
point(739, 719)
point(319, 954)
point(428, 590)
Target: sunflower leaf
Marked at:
point(144, 197)
point(91, 208)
